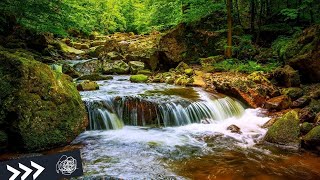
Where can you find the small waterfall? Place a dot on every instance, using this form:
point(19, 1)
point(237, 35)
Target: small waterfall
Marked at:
point(113, 112)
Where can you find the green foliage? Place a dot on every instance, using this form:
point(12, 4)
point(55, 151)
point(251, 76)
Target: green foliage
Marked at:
point(280, 45)
point(290, 14)
point(235, 65)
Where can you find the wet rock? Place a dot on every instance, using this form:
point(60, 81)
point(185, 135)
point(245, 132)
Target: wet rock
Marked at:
point(120, 67)
point(285, 131)
point(199, 81)
point(238, 85)
point(312, 139)
point(286, 76)
point(270, 123)
point(88, 86)
point(95, 77)
point(145, 72)
point(182, 67)
point(40, 108)
point(306, 115)
point(80, 46)
point(69, 70)
point(306, 127)
point(68, 50)
point(209, 61)
point(258, 77)
point(113, 56)
point(139, 78)
point(314, 105)
point(301, 102)
point(278, 103)
point(136, 66)
point(183, 80)
point(188, 72)
point(293, 92)
point(234, 129)
point(97, 43)
point(89, 67)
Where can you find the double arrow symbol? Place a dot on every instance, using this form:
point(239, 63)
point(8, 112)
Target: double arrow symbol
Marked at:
point(27, 170)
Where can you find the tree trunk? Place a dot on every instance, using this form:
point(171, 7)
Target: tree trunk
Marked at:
point(238, 12)
point(229, 39)
point(260, 20)
point(252, 17)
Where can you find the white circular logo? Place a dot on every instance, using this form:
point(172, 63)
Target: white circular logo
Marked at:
point(66, 165)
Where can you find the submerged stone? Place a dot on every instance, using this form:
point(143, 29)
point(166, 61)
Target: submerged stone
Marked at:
point(234, 129)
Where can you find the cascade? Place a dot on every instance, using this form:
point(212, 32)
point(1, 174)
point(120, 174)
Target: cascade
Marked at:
point(110, 111)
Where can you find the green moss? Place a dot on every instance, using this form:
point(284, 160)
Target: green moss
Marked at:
point(285, 131)
point(188, 72)
point(87, 86)
point(315, 105)
point(312, 139)
point(42, 108)
point(293, 92)
point(188, 93)
point(306, 127)
point(145, 72)
point(139, 78)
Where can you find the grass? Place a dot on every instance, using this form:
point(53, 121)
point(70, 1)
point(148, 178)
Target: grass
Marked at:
point(235, 65)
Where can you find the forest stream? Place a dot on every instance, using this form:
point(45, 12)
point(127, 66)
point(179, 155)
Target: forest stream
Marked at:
point(192, 135)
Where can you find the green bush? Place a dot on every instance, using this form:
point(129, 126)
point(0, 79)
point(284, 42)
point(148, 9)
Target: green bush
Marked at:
point(234, 65)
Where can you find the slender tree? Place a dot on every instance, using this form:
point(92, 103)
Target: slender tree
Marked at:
point(229, 39)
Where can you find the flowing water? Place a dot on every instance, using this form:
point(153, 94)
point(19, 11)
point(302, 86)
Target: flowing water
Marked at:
point(158, 131)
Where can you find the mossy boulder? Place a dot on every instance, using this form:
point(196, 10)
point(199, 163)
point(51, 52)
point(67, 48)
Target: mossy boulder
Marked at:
point(312, 139)
point(95, 77)
point(69, 70)
point(88, 86)
point(314, 105)
point(286, 76)
point(257, 77)
point(293, 92)
point(139, 78)
point(302, 53)
point(182, 67)
point(80, 46)
point(40, 108)
point(145, 72)
point(188, 72)
point(278, 103)
point(136, 66)
point(306, 127)
point(67, 49)
point(89, 67)
point(120, 67)
point(285, 131)
point(209, 61)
